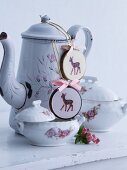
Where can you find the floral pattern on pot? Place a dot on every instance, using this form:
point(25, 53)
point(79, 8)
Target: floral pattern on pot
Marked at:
point(58, 133)
point(47, 113)
point(90, 114)
point(42, 75)
point(84, 89)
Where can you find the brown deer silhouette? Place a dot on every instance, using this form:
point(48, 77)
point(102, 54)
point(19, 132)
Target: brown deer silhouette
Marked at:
point(66, 103)
point(75, 65)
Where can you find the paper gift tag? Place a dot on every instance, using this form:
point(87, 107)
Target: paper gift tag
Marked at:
point(65, 104)
point(73, 65)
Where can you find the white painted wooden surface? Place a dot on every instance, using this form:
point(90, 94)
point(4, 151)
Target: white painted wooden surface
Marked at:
point(109, 164)
point(17, 154)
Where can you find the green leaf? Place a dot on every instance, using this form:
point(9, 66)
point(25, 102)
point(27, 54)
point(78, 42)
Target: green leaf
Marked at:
point(84, 140)
point(80, 130)
point(77, 140)
point(76, 135)
point(81, 141)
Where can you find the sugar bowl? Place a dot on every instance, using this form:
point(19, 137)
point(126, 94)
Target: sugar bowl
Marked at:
point(41, 128)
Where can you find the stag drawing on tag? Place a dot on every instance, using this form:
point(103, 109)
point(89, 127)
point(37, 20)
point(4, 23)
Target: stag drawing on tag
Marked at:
point(75, 66)
point(67, 103)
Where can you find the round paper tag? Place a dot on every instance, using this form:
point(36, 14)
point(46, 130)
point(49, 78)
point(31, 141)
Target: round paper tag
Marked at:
point(65, 104)
point(73, 65)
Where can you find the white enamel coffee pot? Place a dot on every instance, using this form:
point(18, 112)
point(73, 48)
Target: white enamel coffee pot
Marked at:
point(41, 46)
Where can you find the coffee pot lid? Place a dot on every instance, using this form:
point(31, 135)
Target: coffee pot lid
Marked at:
point(46, 30)
point(35, 113)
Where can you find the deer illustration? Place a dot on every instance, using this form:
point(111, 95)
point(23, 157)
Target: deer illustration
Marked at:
point(75, 65)
point(66, 103)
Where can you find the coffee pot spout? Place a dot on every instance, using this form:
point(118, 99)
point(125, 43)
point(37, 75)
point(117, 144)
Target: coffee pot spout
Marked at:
point(11, 90)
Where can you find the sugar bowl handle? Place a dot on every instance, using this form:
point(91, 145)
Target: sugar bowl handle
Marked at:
point(80, 118)
point(124, 108)
point(20, 127)
point(73, 30)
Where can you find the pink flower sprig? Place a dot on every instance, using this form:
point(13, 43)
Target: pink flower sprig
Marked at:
point(84, 136)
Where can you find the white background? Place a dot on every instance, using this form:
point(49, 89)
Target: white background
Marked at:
point(107, 20)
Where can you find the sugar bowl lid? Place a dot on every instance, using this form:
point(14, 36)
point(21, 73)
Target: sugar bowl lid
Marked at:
point(46, 30)
point(92, 91)
point(35, 113)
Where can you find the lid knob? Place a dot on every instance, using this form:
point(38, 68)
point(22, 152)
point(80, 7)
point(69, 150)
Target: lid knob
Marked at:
point(90, 79)
point(36, 103)
point(44, 18)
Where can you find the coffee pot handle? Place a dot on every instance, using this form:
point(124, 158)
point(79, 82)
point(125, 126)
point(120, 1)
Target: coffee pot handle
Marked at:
point(73, 30)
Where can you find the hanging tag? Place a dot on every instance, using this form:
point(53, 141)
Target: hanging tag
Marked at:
point(65, 104)
point(72, 64)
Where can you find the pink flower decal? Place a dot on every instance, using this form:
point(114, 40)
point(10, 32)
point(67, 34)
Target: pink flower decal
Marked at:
point(38, 78)
point(90, 114)
point(47, 113)
point(50, 133)
point(58, 133)
point(45, 78)
point(51, 57)
point(83, 90)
